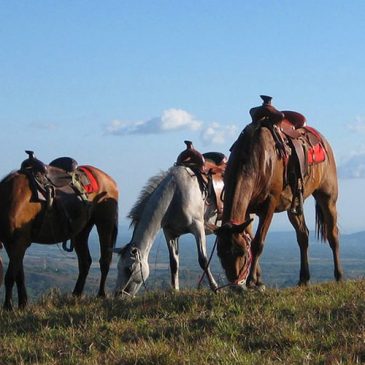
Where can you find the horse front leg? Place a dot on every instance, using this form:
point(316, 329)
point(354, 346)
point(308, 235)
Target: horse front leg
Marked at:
point(199, 234)
point(173, 246)
point(257, 245)
point(15, 273)
point(301, 230)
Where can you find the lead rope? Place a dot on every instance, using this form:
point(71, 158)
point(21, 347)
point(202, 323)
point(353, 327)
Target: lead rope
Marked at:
point(210, 257)
point(140, 267)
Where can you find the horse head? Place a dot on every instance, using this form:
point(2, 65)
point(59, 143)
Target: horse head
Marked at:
point(234, 251)
point(133, 270)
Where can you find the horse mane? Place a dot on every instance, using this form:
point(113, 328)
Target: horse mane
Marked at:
point(151, 185)
point(241, 150)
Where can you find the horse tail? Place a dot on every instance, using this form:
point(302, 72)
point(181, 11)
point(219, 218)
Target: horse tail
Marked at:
point(321, 226)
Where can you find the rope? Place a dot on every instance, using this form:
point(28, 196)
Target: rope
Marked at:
point(208, 263)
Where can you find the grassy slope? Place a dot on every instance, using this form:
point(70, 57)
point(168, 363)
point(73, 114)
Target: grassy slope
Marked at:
point(323, 324)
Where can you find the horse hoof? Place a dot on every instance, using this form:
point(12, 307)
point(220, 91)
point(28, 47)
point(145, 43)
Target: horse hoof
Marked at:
point(8, 307)
point(260, 287)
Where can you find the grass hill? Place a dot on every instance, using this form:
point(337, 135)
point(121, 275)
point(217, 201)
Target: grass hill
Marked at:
point(322, 324)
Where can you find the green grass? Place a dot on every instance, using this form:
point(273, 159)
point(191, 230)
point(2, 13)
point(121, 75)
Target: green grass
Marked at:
point(322, 324)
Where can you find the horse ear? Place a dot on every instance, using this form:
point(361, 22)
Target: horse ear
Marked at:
point(239, 228)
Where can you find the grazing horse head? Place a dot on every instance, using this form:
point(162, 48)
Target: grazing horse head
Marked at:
point(133, 270)
point(234, 251)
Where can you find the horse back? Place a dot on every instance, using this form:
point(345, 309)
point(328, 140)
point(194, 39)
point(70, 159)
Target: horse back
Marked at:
point(106, 185)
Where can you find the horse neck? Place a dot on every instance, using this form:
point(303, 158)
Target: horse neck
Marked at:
point(236, 201)
point(152, 217)
point(248, 178)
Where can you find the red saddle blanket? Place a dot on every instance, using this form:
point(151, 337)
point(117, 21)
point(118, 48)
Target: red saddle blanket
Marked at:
point(92, 185)
point(316, 154)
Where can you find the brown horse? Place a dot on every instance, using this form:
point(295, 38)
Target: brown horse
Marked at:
point(24, 220)
point(256, 182)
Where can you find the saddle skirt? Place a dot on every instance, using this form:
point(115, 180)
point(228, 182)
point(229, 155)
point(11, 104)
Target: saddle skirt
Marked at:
point(304, 142)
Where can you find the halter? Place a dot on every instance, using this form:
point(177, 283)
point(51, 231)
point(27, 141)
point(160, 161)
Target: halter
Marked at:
point(244, 271)
point(138, 261)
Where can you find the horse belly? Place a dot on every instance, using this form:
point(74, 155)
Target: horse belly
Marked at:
point(57, 226)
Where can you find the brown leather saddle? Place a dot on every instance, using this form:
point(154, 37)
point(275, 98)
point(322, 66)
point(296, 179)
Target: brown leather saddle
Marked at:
point(300, 145)
point(61, 185)
point(61, 176)
point(209, 169)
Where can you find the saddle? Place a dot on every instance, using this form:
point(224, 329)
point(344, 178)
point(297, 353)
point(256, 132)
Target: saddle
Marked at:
point(62, 185)
point(298, 144)
point(209, 169)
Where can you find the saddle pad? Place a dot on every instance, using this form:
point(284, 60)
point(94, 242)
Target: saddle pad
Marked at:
point(93, 185)
point(316, 154)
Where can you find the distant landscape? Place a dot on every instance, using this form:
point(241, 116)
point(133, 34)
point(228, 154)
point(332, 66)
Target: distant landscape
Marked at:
point(48, 266)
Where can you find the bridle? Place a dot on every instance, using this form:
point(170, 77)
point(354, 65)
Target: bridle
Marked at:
point(245, 268)
point(136, 253)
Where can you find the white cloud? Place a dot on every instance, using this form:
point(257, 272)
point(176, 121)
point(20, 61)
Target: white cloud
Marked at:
point(173, 119)
point(218, 134)
point(353, 168)
point(169, 121)
point(358, 126)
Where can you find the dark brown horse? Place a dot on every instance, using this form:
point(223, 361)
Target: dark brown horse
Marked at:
point(24, 220)
point(256, 182)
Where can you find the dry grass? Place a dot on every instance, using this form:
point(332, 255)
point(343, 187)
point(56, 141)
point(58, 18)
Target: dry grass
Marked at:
point(323, 324)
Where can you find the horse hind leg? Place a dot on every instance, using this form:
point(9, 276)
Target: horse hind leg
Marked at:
point(80, 243)
point(326, 221)
point(107, 231)
point(301, 230)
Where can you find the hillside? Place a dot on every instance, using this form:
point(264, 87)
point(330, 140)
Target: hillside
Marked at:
point(322, 324)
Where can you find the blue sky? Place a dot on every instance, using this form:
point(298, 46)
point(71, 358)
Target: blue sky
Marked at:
point(121, 84)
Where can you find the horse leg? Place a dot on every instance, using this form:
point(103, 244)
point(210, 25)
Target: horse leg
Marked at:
point(83, 257)
point(199, 234)
point(301, 230)
point(107, 238)
point(327, 217)
point(15, 273)
point(257, 246)
point(173, 246)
